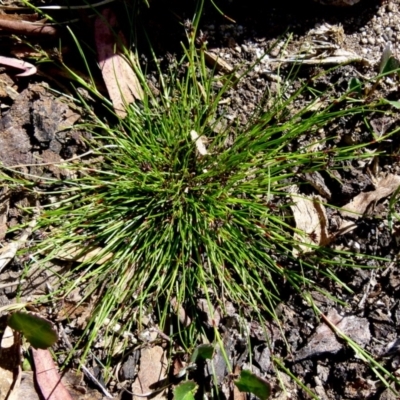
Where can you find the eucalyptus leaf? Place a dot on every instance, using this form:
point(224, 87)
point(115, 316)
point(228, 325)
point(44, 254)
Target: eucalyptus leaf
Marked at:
point(202, 352)
point(355, 86)
point(248, 382)
point(388, 63)
point(39, 332)
point(393, 103)
point(185, 391)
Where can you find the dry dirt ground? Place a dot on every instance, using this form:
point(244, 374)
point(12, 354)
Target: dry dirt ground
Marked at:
point(31, 133)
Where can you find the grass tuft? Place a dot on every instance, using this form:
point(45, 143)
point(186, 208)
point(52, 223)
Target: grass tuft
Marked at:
point(178, 209)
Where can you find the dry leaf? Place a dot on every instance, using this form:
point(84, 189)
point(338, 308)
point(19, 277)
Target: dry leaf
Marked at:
point(122, 84)
point(153, 367)
point(10, 362)
point(183, 317)
point(8, 252)
point(26, 389)
point(310, 217)
point(237, 394)
point(360, 203)
point(357, 207)
point(325, 341)
point(199, 141)
point(47, 376)
point(213, 316)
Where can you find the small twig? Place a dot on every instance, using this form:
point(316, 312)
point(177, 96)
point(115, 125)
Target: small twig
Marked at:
point(6, 285)
point(62, 161)
point(52, 163)
point(84, 369)
point(367, 290)
point(96, 381)
point(160, 333)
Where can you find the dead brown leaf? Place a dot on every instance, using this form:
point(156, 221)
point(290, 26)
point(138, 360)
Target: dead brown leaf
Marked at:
point(10, 362)
point(122, 84)
point(325, 340)
point(8, 252)
point(27, 388)
point(153, 367)
point(364, 201)
point(77, 314)
point(359, 205)
point(237, 394)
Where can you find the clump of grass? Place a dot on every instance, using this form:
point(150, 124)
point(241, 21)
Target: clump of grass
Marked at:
point(171, 222)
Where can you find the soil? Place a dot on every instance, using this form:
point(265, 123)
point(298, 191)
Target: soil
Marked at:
point(32, 122)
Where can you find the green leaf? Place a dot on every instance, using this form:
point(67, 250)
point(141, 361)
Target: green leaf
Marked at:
point(395, 104)
point(185, 391)
point(202, 352)
point(388, 63)
point(391, 66)
point(355, 86)
point(38, 331)
point(248, 382)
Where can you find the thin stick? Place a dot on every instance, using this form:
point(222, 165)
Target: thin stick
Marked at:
point(62, 161)
point(84, 369)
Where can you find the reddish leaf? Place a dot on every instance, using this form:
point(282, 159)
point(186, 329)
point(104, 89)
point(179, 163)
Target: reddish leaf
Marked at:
point(122, 84)
point(47, 377)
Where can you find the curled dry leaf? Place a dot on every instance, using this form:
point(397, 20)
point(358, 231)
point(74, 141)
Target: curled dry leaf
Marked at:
point(357, 207)
point(359, 204)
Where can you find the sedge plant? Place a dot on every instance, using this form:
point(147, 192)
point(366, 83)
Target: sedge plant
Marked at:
point(167, 208)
